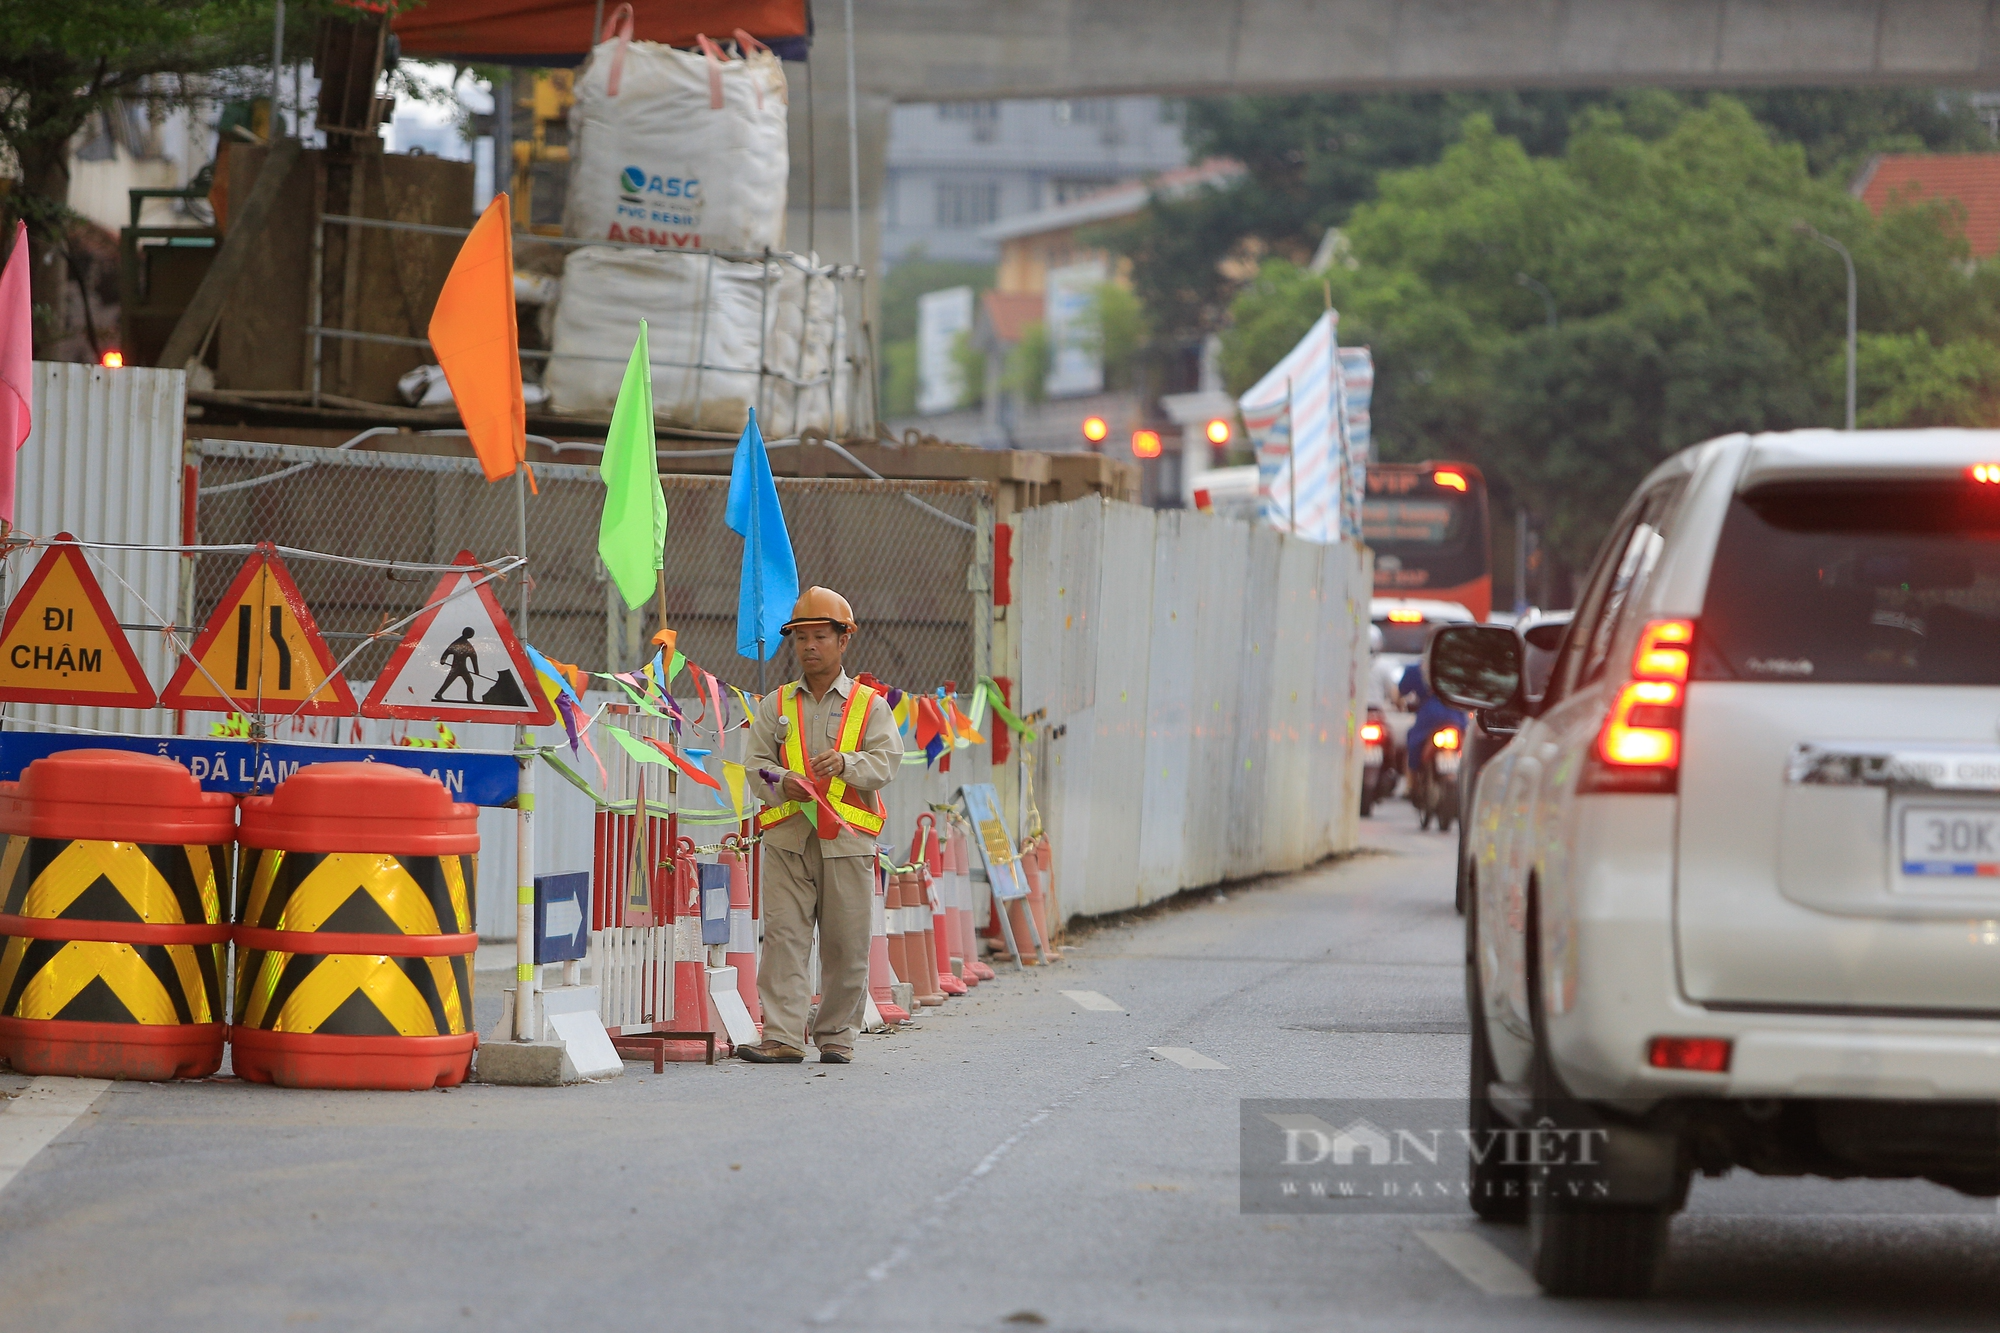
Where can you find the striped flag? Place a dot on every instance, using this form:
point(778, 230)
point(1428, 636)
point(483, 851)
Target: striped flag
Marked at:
point(1309, 470)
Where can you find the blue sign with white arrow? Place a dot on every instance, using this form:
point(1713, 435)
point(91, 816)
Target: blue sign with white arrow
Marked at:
point(562, 917)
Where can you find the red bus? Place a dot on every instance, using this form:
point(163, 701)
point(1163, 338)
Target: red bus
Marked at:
point(1427, 524)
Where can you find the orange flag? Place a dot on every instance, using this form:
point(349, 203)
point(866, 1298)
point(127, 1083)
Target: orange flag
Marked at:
point(476, 341)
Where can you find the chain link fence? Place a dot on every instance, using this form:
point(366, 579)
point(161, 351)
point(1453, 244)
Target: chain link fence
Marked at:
point(916, 578)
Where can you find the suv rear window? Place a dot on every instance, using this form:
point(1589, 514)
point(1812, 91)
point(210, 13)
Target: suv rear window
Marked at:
point(1856, 582)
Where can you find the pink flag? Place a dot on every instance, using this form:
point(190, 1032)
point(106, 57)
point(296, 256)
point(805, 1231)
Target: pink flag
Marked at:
point(17, 353)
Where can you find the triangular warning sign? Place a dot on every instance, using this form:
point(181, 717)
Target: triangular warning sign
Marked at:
point(260, 652)
point(61, 644)
point(460, 662)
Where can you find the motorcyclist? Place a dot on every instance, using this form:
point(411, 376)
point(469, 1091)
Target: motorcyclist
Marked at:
point(1431, 713)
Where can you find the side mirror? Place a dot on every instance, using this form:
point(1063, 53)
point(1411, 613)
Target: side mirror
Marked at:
point(1474, 666)
point(1548, 635)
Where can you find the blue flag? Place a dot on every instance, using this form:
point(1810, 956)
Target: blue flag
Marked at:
point(770, 583)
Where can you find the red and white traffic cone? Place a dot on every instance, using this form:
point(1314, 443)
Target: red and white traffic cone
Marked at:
point(898, 939)
point(948, 981)
point(741, 953)
point(692, 1012)
point(1040, 863)
point(952, 928)
point(880, 977)
point(930, 901)
point(917, 942)
point(961, 866)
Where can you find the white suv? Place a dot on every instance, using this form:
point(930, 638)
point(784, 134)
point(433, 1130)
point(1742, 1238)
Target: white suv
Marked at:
point(1735, 882)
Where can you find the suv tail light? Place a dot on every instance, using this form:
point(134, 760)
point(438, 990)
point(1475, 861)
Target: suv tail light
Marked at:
point(1705, 1055)
point(1638, 748)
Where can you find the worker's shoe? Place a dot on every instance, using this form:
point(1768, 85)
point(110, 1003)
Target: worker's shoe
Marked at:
point(771, 1052)
point(835, 1055)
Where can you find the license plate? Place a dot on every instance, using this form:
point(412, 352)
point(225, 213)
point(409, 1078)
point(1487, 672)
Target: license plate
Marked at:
point(1447, 763)
point(1371, 755)
point(1951, 842)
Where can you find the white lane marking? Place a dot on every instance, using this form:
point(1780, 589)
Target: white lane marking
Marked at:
point(1186, 1057)
point(941, 1207)
point(44, 1109)
point(1480, 1264)
point(1090, 999)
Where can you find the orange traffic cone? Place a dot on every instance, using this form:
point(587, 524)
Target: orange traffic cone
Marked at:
point(880, 976)
point(959, 866)
point(742, 951)
point(920, 948)
point(898, 941)
point(1041, 892)
point(691, 1008)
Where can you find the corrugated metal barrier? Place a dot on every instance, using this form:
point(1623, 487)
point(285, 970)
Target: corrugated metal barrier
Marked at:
point(1203, 681)
point(103, 461)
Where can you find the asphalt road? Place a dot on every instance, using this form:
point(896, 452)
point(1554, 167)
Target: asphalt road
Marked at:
point(1021, 1160)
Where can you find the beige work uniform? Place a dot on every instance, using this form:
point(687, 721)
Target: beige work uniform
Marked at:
point(811, 881)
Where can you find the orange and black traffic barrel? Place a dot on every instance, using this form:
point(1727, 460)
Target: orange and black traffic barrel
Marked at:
point(354, 931)
point(113, 917)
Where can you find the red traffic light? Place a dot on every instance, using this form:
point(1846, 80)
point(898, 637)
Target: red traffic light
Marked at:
point(1145, 444)
point(1218, 432)
point(1095, 429)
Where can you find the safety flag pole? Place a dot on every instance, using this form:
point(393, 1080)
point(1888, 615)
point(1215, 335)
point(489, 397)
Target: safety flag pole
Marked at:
point(527, 976)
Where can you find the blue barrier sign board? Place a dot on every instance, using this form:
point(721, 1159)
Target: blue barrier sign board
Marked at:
point(562, 917)
point(244, 767)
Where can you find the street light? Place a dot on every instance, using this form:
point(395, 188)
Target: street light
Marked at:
point(1541, 290)
point(1803, 228)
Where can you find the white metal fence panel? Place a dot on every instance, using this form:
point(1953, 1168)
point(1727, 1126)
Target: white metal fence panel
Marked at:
point(1170, 670)
point(103, 462)
point(1218, 552)
point(1217, 739)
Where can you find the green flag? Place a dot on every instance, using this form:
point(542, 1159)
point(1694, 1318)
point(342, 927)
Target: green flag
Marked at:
point(632, 535)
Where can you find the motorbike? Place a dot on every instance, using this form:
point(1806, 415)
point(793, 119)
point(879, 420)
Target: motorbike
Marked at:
point(1378, 766)
point(1434, 779)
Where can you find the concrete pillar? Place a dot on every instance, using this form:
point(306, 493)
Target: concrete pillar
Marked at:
point(826, 227)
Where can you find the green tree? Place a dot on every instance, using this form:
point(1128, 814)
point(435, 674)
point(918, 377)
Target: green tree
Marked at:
point(63, 61)
point(1028, 362)
point(1312, 159)
point(1687, 305)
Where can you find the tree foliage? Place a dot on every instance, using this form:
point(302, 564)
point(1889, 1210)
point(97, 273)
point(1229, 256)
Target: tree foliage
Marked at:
point(63, 61)
point(1688, 305)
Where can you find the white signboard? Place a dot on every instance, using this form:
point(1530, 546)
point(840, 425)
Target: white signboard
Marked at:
point(941, 317)
point(1076, 356)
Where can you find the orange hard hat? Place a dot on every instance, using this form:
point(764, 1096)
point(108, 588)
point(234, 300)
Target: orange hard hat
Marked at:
point(820, 604)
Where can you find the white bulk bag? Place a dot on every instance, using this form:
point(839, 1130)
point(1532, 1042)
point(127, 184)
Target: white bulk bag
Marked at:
point(681, 150)
point(709, 322)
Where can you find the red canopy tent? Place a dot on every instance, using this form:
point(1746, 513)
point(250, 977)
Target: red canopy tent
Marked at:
point(556, 33)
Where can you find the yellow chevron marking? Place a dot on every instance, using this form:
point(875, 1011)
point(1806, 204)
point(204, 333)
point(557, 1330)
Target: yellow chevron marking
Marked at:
point(447, 987)
point(260, 884)
point(270, 967)
point(454, 880)
point(333, 881)
point(203, 866)
point(80, 962)
point(10, 861)
point(315, 998)
point(77, 866)
point(10, 962)
point(188, 967)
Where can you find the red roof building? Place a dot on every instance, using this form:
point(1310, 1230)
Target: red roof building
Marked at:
point(1973, 179)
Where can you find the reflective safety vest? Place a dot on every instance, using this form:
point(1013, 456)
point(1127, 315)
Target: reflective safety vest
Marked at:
point(863, 810)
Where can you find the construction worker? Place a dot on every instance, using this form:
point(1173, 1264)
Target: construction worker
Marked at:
point(835, 745)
